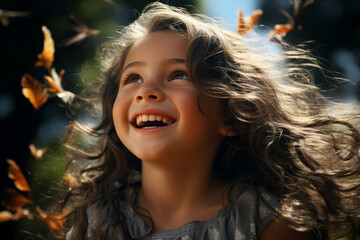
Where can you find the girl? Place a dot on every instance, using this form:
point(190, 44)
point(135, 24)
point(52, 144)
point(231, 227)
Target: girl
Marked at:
point(204, 137)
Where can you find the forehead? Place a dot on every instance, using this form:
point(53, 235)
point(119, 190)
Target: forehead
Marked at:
point(158, 45)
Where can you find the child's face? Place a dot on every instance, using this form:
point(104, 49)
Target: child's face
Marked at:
point(156, 112)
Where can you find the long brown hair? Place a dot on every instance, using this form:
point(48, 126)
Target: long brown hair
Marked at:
point(288, 138)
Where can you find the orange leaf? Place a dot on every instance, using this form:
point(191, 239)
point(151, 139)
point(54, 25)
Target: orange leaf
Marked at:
point(281, 30)
point(33, 90)
point(55, 222)
point(17, 176)
point(255, 16)
point(46, 58)
point(21, 212)
point(54, 81)
point(14, 200)
point(70, 180)
point(52, 87)
point(245, 25)
point(6, 216)
point(38, 153)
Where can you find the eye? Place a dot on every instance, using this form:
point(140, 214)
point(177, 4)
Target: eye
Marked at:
point(179, 75)
point(132, 78)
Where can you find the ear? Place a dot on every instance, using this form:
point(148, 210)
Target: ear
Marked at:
point(227, 130)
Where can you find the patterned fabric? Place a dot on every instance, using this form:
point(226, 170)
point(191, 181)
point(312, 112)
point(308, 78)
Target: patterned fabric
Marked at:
point(238, 220)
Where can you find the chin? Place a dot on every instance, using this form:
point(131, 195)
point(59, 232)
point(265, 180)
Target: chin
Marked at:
point(153, 156)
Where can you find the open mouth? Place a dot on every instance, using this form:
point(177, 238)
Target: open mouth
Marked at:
point(152, 121)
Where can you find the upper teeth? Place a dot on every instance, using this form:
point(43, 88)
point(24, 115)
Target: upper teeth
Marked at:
point(140, 119)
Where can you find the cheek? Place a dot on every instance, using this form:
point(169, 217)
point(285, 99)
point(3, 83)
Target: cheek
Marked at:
point(120, 113)
point(186, 102)
point(203, 118)
point(192, 101)
point(196, 115)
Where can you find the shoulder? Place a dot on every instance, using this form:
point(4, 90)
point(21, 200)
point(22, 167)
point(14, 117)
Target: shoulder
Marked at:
point(255, 208)
point(261, 207)
point(257, 199)
point(278, 229)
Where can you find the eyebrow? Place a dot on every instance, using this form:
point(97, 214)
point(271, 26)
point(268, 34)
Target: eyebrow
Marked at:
point(170, 60)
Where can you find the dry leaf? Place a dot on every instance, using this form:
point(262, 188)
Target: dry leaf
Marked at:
point(55, 222)
point(70, 180)
point(281, 30)
point(255, 16)
point(21, 212)
point(5, 15)
point(17, 176)
point(13, 200)
point(34, 91)
point(6, 216)
point(52, 87)
point(54, 83)
point(38, 153)
point(83, 31)
point(245, 25)
point(299, 8)
point(46, 58)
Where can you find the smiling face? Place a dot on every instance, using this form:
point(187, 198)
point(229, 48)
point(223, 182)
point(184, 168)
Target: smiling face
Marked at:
point(156, 113)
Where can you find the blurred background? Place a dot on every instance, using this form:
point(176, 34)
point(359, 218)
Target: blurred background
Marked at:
point(332, 26)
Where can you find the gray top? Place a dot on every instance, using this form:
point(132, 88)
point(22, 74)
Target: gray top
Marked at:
point(236, 220)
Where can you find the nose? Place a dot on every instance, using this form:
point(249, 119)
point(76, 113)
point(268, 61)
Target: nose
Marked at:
point(149, 92)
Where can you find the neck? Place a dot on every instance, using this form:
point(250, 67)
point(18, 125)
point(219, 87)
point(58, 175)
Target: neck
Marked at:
point(175, 196)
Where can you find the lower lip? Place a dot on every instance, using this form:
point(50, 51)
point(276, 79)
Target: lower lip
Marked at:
point(151, 130)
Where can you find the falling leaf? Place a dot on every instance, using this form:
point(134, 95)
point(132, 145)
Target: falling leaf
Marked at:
point(83, 31)
point(5, 15)
point(281, 30)
point(52, 85)
point(21, 213)
point(6, 216)
point(55, 222)
point(298, 10)
point(245, 25)
point(46, 58)
point(38, 153)
point(293, 20)
point(34, 91)
point(70, 180)
point(13, 199)
point(54, 82)
point(17, 176)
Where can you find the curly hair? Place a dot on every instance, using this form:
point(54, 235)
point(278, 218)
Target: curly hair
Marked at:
point(289, 138)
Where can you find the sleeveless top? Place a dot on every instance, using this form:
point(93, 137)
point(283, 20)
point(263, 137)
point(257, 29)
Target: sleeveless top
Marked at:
point(238, 220)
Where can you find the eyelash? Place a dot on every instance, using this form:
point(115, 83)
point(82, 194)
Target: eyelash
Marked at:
point(129, 76)
point(175, 73)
